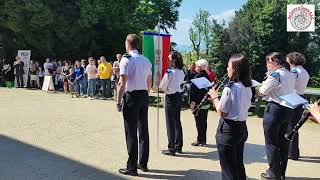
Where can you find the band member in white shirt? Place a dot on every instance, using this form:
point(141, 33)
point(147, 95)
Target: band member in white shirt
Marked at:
point(233, 109)
point(171, 86)
point(276, 117)
point(133, 95)
point(296, 60)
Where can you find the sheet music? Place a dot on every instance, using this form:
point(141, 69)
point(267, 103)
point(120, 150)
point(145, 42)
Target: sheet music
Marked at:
point(201, 82)
point(292, 100)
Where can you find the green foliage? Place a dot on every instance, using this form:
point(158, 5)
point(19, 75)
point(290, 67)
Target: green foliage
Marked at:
point(81, 28)
point(199, 31)
point(258, 29)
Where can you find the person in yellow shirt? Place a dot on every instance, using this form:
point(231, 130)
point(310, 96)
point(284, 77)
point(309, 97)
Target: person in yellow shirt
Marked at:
point(105, 73)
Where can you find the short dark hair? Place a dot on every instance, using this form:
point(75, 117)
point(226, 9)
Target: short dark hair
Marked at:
point(133, 41)
point(276, 57)
point(242, 69)
point(177, 60)
point(296, 58)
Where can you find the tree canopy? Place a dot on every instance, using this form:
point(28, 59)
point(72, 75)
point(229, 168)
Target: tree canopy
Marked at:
point(257, 29)
point(80, 28)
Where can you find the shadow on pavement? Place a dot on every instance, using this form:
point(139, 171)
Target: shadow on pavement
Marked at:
point(311, 159)
point(19, 160)
point(201, 155)
point(192, 174)
point(253, 153)
point(301, 178)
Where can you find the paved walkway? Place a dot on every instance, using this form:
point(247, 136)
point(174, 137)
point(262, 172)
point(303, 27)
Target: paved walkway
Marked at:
point(53, 136)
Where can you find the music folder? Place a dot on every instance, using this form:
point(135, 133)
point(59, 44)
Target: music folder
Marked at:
point(255, 83)
point(202, 82)
point(292, 100)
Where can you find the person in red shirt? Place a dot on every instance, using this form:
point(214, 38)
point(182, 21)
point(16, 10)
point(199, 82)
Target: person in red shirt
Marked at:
point(211, 74)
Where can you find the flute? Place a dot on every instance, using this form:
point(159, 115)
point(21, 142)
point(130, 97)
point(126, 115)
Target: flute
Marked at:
point(206, 96)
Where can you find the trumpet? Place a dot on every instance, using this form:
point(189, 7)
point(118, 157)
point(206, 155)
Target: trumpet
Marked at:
point(289, 136)
point(206, 96)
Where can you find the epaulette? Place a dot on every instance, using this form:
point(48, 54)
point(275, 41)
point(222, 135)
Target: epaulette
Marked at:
point(126, 55)
point(229, 84)
point(294, 70)
point(275, 74)
point(169, 71)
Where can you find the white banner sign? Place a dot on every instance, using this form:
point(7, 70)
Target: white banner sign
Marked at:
point(300, 18)
point(25, 56)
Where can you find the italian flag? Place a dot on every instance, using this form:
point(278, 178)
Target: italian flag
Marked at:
point(156, 47)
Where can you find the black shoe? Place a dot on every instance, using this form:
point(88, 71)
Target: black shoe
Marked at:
point(143, 168)
point(195, 143)
point(268, 176)
point(203, 144)
point(283, 177)
point(127, 172)
point(179, 151)
point(168, 152)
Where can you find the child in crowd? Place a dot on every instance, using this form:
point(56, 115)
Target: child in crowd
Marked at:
point(71, 81)
point(40, 76)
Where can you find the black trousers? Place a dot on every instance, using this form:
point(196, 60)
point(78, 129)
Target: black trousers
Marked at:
point(275, 125)
point(201, 124)
point(174, 128)
point(230, 139)
point(41, 82)
point(135, 114)
point(19, 78)
point(294, 152)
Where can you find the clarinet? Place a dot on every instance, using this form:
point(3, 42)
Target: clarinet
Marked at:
point(206, 96)
point(289, 136)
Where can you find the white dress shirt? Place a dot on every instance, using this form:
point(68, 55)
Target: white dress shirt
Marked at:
point(280, 82)
point(236, 101)
point(171, 81)
point(302, 79)
point(137, 68)
point(46, 67)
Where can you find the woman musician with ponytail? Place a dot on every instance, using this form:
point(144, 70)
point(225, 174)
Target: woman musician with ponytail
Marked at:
point(296, 60)
point(276, 116)
point(233, 109)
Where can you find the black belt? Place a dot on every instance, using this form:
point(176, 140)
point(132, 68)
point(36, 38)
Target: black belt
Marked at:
point(230, 121)
point(174, 94)
point(136, 92)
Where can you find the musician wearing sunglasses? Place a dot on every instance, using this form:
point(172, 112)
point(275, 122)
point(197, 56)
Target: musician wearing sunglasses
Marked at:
point(296, 60)
point(233, 109)
point(276, 117)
